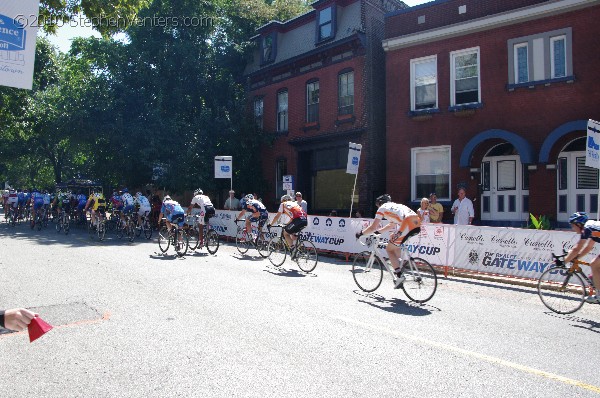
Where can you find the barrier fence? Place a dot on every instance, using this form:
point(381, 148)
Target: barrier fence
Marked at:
point(513, 252)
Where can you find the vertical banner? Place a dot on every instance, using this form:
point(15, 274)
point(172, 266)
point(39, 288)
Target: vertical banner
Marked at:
point(223, 167)
point(592, 156)
point(18, 31)
point(353, 158)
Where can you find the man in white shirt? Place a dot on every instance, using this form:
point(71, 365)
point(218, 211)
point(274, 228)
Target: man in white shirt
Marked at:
point(301, 202)
point(232, 203)
point(462, 208)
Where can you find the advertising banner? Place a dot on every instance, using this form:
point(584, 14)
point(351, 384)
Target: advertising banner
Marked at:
point(511, 251)
point(223, 167)
point(18, 31)
point(353, 158)
point(592, 156)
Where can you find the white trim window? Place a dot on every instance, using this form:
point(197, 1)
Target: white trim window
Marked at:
point(465, 77)
point(282, 110)
point(430, 172)
point(521, 59)
point(423, 83)
point(312, 101)
point(558, 56)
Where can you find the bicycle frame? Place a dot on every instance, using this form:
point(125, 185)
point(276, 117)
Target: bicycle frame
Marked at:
point(375, 242)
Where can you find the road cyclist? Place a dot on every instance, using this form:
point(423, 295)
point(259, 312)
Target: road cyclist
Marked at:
point(201, 206)
point(258, 214)
point(298, 221)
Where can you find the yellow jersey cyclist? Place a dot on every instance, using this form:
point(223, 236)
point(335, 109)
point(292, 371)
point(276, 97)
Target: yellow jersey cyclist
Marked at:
point(97, 203)
point(297, 217)
point(404, 220)
point(589, 231)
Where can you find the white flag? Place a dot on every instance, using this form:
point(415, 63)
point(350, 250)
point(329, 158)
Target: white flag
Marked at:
point(18, 31)
point(353, 158)
point(223, 167)
point(592, 156)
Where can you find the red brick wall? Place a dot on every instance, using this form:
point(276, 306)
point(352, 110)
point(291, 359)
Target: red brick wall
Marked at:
point(530, 113)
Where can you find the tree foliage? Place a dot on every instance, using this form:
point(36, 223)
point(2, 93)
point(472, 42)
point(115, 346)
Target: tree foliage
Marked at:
point(170, 95)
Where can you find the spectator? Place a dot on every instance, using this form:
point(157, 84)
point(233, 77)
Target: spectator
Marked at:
point(301, 202)
point(232, 203)
point(436, 210)
point(16, 319)
point(462, 208)
point(333, 213)
point(423, 211)
point(358, 214)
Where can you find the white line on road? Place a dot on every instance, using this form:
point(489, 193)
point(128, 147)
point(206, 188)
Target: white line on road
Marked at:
point(473, 354)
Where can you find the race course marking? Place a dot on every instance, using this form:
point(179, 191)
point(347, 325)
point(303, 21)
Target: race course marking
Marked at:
point(483, 357)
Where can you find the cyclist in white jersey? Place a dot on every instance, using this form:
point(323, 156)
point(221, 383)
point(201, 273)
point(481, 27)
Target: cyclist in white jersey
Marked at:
point(201, 205)
point(144, 206)
point(404, 220)
point(590, 234)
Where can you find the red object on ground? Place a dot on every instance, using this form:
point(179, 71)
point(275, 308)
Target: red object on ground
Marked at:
point(37, 328)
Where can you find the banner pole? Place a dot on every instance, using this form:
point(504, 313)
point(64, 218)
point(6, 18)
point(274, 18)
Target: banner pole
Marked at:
point(352, 198)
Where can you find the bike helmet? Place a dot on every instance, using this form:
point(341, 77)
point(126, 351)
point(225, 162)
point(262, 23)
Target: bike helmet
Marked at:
point(286, 198)
point(138, 194)
point(198, 192)
point(166, 198)
point(579, 217)
point(125, 190)
point(383, 199)
point(249, 197)
point(115, 193)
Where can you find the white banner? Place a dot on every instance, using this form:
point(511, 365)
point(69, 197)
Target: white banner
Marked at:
point(223, 167)
point(353, 158)
point(592, 156)
point(18, 31)
point(511, 251)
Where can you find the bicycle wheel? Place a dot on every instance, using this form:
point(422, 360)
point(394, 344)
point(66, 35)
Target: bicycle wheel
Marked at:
point(59, 225)
point(241, 241)
point(164, 239)
point(181, 243)
point(211, 241)
point(367, 273)
point(120, 227)
point(130, 231)
point(262, 245)
point(38, 222)
point(67, 224)
point(421, 281)
point(277, 251)
point(101, 230)
point(147, 229)
point(560, 291)
point(192, 236)
point(307, 256)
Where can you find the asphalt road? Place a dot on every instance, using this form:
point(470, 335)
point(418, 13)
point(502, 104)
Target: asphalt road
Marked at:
point(129, 322)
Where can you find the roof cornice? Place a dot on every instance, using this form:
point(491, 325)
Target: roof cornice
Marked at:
point(481, 24)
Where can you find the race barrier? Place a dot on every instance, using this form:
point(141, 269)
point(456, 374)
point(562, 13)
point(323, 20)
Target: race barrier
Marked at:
point(524, 253)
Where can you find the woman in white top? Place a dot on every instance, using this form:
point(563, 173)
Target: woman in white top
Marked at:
point(423, 211)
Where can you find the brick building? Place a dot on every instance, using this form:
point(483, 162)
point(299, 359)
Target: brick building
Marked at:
point(315, 84)
point(494, 95)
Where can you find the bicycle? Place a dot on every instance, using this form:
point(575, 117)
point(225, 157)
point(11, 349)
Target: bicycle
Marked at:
point(211, 237)
point(176, 236)
point(63, 222)
point(99, 227)
point(303, 252)
point(37, 220)
point(420, 284)
point(562, 289)
point(12, 218)
point(144, 227)
point(243, 241)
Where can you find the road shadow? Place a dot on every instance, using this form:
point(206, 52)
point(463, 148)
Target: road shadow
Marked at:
point(165, 256)
point(396, 305)
point(579, 322)
point(290, 273)
point(496, 285)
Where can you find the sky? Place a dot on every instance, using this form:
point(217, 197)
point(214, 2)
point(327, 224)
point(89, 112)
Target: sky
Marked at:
point(66, 34)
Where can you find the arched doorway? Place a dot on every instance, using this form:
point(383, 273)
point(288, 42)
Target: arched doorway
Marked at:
point(504, 185)
point(577, 184)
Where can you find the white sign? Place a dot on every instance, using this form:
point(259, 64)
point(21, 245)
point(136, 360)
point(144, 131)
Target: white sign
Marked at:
point(223, 167)
point(18, 31)
point(288, 179)
point(353, 158)
point(592, 156)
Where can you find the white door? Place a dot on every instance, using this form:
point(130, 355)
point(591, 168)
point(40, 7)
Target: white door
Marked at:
point(505, 189)
point(577, 186)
